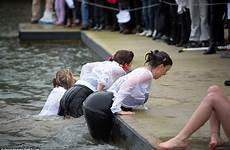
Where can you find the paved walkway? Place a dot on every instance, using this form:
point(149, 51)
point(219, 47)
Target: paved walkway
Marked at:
point(175, 96)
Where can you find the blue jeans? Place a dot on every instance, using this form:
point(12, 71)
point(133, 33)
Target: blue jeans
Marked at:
point(85, 13)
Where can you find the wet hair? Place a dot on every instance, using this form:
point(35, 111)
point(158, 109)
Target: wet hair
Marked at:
point(156, 58)
point(122, 57)
point(64, 78)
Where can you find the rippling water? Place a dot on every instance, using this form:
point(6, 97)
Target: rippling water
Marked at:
point(25, 82)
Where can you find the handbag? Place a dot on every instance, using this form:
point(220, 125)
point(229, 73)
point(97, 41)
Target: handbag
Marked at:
point(112, 1)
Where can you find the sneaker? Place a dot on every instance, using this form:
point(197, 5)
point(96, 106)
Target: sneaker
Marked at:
point(77, 21)
point(227, 82)
point(95, 27)
point(143, 33)
point(154, 33)
point(48, 18)
point(101, 27)
point(149, 33)
point(157, 36)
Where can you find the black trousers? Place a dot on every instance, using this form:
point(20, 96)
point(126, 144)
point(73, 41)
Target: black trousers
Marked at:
point(216, 13)
point(72, 101)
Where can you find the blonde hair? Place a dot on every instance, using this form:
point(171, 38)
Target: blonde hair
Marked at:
point(64, 78)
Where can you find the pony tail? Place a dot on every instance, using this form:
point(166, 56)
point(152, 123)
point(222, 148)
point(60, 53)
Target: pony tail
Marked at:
point(55, 84)
point(151, 56)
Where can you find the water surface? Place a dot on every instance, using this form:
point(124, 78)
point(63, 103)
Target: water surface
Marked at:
point(25, 82)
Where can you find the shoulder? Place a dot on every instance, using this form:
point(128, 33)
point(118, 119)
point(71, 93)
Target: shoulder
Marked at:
point(142, 74)
point(58, 90)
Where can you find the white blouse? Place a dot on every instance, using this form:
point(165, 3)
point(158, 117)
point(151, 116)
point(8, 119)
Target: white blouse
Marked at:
point(131, 90)
point(52, 104)
point(106, 73)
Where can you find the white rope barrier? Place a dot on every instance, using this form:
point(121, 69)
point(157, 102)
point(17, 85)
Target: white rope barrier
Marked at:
point(153, 5)
point(203, 48)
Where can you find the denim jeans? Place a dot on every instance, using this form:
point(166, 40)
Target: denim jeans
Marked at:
point(147, 14)
point(85, 13)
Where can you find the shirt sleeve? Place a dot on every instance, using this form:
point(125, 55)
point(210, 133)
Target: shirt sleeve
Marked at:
point(127, 87)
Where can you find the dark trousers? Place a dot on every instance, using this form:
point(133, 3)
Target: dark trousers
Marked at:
point(72, 101)
point(184, 26)
point(99, 13)
point(217, 22)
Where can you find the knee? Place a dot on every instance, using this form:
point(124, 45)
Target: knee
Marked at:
point(214, 89)
point(214, 94)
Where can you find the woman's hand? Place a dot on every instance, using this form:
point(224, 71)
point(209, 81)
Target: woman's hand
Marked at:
point(125, 113)
point(100, 87)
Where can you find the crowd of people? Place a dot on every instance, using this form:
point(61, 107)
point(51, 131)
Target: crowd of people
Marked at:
point(186, 23)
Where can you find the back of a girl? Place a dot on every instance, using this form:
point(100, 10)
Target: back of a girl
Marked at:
point(63, 81)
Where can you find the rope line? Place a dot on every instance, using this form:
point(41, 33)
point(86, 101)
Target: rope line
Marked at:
point(151, 6)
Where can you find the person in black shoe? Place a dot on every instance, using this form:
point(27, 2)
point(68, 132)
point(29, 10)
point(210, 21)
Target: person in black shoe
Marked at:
point(227, 82)
point(216, 25)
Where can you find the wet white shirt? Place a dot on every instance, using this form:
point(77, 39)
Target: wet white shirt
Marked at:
point(52, 104)
point(106, 73)
point(131, 90)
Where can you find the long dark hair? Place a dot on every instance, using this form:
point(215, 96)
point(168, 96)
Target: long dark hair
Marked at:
point(122, 57)
point(156, 58)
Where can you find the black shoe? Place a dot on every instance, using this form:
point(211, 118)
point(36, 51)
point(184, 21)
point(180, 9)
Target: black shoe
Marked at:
point(157, 36)
point(115, 28)
point(192, 44)
point(85, 28)
point(127, 31)
point(227, 82)
point(34, 22)
point(180, 44)
point(211, 50)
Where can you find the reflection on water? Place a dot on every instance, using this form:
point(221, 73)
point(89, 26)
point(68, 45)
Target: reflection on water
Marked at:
point(25, 82)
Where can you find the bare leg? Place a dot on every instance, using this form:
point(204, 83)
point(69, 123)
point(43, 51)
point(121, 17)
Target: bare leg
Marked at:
point(215, 102)
point(36, 4)
point(215, 139)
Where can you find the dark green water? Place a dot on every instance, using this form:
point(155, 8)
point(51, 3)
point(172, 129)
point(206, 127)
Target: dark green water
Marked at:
point(26, 72)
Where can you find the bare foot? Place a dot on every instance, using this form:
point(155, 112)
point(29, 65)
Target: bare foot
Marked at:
point(173, 143)
point(215, 141)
